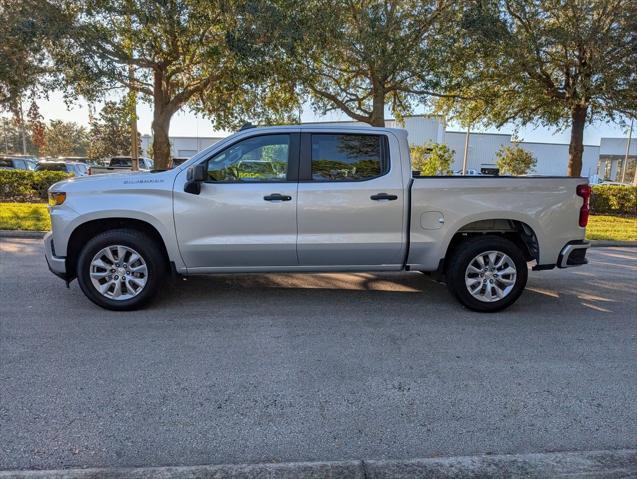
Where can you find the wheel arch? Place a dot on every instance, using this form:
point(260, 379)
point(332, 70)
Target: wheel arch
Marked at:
point(518, 232)
point(89, 229)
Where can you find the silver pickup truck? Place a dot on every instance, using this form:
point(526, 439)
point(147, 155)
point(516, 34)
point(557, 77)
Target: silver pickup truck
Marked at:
point(312, 199)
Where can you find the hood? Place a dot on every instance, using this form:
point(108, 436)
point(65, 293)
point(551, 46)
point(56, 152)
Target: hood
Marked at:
point(114, 181)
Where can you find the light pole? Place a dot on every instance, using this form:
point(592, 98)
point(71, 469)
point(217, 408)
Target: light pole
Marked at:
point(630, 136)
point(465, 157)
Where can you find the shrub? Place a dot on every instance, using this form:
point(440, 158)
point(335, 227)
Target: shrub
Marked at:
point(24, 185)
point(614, 199)
point(513, 160)
point(432, 159)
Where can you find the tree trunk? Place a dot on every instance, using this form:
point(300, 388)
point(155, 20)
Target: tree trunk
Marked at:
point(378, 109)
point(576, 147)
point(161, 141)
point(162, 114)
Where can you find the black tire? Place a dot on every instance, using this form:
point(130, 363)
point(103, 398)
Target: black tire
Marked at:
point(145, 246)
point(464, 254)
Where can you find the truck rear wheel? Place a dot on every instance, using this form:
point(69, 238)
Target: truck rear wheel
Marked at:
point(121, 269)
point(487, 273)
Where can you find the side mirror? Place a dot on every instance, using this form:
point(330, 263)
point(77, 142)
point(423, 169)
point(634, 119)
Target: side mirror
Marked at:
point(196, 173)
point(194, 176)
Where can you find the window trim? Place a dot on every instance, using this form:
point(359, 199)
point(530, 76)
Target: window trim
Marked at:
point(305, 167)
point(293, 160)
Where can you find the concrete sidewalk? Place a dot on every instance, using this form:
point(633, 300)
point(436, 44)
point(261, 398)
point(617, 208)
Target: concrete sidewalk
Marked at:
point(589, 464)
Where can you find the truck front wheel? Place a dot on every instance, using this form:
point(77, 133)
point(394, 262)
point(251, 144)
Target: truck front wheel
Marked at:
point(487, 273)
point(121, 269)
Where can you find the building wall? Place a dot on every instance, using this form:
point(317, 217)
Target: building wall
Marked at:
point(552, 158)
point(421, 129)
point(182, 146)
point(482, 148)
point(612, 153)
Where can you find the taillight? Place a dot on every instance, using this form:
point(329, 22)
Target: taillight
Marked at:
point(585, 192)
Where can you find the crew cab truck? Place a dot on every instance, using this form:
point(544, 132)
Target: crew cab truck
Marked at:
point(332, 199)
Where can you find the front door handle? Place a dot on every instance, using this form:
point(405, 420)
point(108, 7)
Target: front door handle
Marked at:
point(277, 197)
point(383, 196)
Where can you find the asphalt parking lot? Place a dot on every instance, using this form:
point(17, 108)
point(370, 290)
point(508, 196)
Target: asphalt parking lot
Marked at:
point(268, 368)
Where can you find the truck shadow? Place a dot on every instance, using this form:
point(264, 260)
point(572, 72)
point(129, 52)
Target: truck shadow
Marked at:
point(338, 293)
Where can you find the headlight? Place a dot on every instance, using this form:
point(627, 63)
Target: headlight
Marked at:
point(56, 198)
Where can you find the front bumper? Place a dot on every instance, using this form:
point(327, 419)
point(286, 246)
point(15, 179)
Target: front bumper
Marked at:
point(573, 254)
point(57, 265)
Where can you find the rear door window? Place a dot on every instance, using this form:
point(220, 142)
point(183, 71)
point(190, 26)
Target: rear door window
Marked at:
point(348, 157)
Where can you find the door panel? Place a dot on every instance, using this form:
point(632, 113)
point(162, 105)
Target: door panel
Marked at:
point(245, 216)
point(338, 221)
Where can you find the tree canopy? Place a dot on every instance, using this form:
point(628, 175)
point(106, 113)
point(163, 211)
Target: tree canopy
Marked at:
point(174, 53)
point(357, 56)
point(550, 62)
point(109, 133)
point(64, 138)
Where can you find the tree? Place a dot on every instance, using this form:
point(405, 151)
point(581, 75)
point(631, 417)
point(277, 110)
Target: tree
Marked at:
point(432, 159)
point(179, 54)
point(514, 160)
point(28, 28)
point(11, 137)
point(37, 128)
point(550, 62)
point(110, 133)
point(356, 56)
point(64, 138)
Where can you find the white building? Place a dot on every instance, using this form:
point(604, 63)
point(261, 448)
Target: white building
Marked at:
point(605, 160)
point(181, 146)
point(612, 152)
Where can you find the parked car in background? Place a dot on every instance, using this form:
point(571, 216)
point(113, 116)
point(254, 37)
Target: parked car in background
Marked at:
point(119, 164)
point(73, 159)
point(17, 163)
point(77, 169)
point(330, 199)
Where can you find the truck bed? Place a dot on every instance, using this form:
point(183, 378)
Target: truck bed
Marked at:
point(444, 206)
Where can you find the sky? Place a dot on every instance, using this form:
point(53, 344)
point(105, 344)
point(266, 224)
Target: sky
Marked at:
point(185, 123)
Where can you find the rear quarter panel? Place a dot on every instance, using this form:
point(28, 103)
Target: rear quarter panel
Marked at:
point(549, 206)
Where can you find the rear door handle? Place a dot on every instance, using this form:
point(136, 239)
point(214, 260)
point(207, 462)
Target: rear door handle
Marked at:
point(277, 197)
point(383, 196)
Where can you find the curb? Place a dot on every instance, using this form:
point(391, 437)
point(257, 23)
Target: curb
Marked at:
point(609, 244)
point(590, 464)
point(22, 234)
point(40, 234)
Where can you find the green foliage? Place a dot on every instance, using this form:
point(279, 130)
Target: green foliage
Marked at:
point(174, 54)
point(355, 57)
point(23, 185)
point(21, 53)
point(614, 199)
point(110, 133)
point(64, 138)
point(514, 160)
point(432, 159)
point(11, 138)
point(550, 62)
